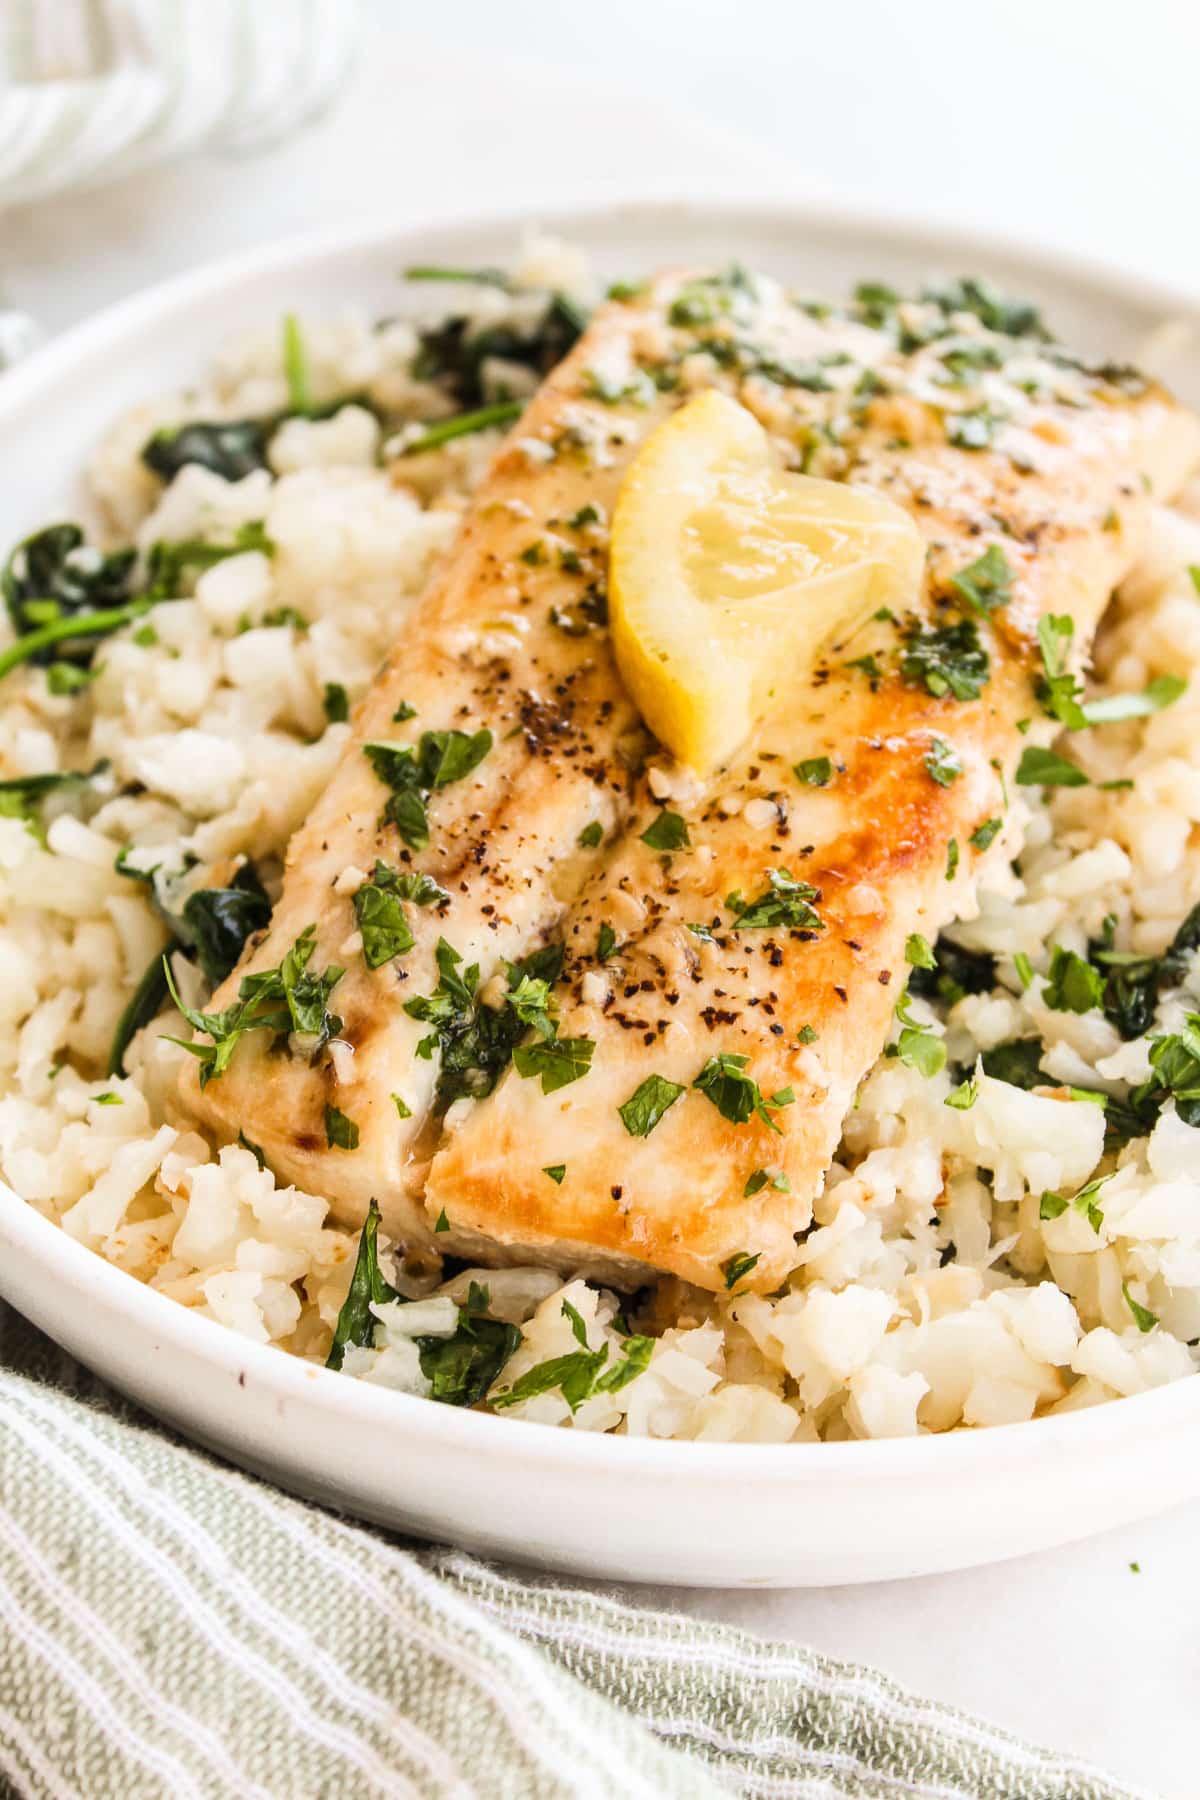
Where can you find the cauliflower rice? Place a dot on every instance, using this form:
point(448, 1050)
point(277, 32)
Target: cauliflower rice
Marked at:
point(955, 1274)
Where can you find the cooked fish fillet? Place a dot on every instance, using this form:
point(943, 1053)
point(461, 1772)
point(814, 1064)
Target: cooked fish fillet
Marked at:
point(988, 439)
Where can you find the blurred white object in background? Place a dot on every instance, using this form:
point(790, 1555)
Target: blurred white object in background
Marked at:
point(90, 89)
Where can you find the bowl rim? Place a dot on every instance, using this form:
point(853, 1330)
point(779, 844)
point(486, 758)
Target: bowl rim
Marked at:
point(24, 1231)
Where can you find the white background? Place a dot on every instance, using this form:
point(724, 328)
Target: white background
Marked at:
point(1063, 123)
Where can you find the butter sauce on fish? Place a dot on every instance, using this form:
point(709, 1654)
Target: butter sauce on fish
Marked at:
point(559, 998)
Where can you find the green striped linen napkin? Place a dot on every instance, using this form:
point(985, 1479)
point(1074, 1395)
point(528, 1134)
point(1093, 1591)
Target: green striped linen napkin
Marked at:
point(171, 1627)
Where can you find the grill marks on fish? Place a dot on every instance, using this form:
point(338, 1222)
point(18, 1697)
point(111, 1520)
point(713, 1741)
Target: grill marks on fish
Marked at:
point(508, 638)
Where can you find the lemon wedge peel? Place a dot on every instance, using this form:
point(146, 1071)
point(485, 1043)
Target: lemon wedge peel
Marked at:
point(728, 575)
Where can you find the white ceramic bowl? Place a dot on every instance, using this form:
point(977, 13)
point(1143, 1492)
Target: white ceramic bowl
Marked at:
point(709, 1514)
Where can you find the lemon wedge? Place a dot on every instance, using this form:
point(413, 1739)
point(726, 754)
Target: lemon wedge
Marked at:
point(728, 575)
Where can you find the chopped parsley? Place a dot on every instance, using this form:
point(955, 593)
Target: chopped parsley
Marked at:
point(917, 1046)
point(476, 1042)
point(648, 1103)
point(806, 1035)
point(337, 703)
point(918, 952)
point(986, 584)
point(758, 1180)
point(946, 659)
point(951, 859)
point(667, 832)
point(1158, 694)
point(1072, 985)
point(556, 1172)
point(440, 757)
point(581, 1374)
point(973, 430)
point(870, 667)
point(403, 713)
point(461, 1368)
point(942, 763)
point(735, 1094)
point(341, 1133)
point(814, 771)
point(591, 836)
point(1053, 1206)
point(964, 1096)
point(1143, 1318)
point(984, 835)
point(403, 1109)
point(559, 1061)
point(441, 1223)
point(382, 923)
point(783, 903)
point(1046, 768)
point(735, 1268)
point(606, 943)
point(356, 1322)
point(1057, 688)
point(286, 999)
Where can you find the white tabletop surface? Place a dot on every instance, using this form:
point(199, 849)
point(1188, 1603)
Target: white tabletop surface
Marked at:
point(1041, 120)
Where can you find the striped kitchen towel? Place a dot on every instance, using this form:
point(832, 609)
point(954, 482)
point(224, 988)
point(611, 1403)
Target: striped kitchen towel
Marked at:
point(170, 1627)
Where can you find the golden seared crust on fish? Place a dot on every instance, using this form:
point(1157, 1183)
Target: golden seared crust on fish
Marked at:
point(680, 1081)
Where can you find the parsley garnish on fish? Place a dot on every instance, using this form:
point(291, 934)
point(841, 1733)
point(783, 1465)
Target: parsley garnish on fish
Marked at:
point(304, 1009)
point(556, 1172)
point(439, 758)
point(918, 953)
point(973, 430)
point(591, 835)
point(477, 1041)
point(815, 771)
point(951, 859)
point(559, 1061)
point(986, 584)
point(759, 1179)
point(441, 1223)
point(784, 903)
point(648, 1103)
point(984, 835)
point(942, 763)
point(606, 943)
point(735, 1268)
point(667, 832)
point(341, 1133)
point(1046, 768)
point(381, 918)
point(735, 1094)
point(946, 659)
